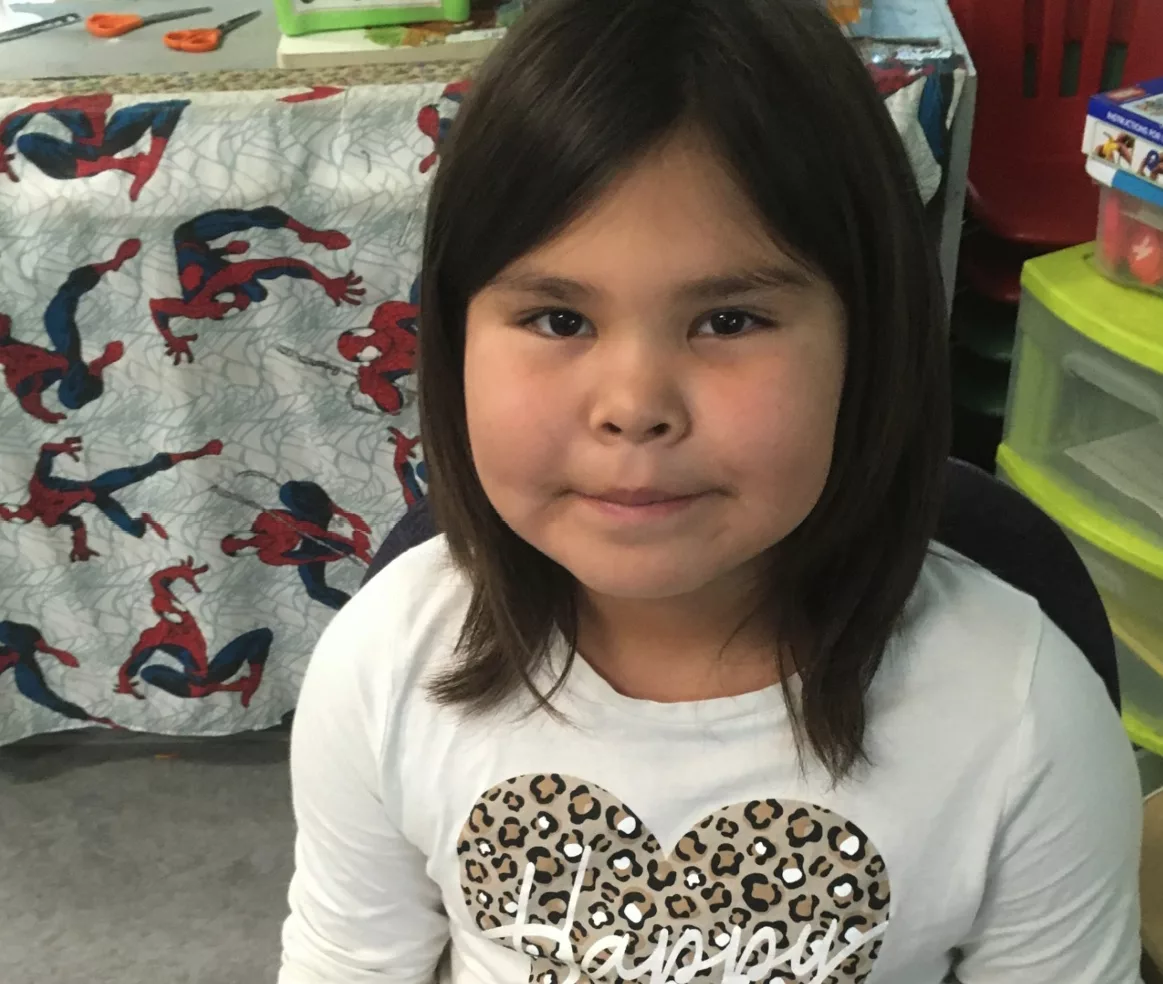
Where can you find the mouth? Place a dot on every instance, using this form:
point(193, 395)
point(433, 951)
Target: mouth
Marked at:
point(640, 497)
point(643, 504)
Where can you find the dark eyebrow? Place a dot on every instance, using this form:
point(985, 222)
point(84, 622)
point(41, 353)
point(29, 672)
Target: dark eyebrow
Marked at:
point(714, 288)
point(559, 288)
point(746, 282)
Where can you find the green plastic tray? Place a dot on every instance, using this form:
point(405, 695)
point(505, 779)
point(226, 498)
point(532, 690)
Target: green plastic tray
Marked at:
point(309, 16)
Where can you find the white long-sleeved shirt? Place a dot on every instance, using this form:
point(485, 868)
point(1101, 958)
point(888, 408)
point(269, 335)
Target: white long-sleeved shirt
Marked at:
point(995, 834)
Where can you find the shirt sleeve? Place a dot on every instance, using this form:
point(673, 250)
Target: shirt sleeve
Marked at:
point(363, 909)
point(1061, 904)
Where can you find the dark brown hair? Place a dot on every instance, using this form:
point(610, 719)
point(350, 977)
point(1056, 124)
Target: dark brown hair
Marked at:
point(578, 92)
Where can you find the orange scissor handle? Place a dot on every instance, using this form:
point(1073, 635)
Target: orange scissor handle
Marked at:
point(112, 25)
point(199, 41)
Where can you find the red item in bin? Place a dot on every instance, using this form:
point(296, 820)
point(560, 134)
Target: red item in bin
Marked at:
point(1128, 245)
point(1115, 231)
point(1145, 255)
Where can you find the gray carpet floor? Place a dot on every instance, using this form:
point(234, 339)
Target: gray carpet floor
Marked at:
point(143, 860)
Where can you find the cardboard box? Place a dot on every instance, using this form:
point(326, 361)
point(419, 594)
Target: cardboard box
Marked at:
point(1124, 130)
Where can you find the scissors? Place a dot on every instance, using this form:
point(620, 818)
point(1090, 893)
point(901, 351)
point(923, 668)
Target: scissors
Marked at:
point(40, 27)
point(203, 39)
point(115, 25)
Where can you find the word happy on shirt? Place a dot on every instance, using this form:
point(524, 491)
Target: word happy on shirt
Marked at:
point(561, 870)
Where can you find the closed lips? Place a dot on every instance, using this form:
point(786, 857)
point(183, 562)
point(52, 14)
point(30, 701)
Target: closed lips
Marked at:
point(642, 497)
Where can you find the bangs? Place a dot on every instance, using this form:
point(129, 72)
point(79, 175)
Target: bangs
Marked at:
point(635, 74)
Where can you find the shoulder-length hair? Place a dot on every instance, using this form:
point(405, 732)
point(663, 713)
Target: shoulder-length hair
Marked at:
point(578, 92)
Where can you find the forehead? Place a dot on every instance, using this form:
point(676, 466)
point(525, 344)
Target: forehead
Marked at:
point(676, 215)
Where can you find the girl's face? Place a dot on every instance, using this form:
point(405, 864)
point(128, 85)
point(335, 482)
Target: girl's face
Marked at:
point(652, 395)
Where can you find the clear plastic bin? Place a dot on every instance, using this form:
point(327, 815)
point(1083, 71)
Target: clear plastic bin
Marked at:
point(1084, 417)
point(1141, 684)
point(1134, 604)
point(1133, 598)
point(1084, 440)
point(1130, 240)
point(1150, 771)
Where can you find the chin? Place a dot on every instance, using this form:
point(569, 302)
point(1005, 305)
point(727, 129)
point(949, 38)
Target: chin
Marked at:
point(641, 578)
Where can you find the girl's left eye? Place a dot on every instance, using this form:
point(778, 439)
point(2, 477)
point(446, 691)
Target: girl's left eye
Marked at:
point(725, 324)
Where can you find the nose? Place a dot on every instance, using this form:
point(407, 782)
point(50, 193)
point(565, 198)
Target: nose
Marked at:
point(640, 397)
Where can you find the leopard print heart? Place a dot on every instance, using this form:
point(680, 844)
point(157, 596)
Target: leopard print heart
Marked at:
point(560, 870)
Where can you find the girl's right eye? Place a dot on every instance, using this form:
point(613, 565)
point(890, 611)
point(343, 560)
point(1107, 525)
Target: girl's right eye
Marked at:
point(558, 324)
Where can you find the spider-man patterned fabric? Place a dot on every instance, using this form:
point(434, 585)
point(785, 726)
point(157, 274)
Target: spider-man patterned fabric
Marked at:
point(207, 422)
point(207, 418)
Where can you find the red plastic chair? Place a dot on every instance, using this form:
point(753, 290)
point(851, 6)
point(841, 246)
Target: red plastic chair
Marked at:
point(1038, 63)
point(993, 267)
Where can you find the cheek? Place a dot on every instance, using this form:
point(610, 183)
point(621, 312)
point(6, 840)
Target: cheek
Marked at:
point(517, 419)
point(774, 427)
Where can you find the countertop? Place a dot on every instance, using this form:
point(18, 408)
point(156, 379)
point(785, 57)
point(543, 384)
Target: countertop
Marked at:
point(72, 51)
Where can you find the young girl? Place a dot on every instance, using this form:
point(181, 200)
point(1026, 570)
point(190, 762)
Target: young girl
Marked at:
point(684, 690)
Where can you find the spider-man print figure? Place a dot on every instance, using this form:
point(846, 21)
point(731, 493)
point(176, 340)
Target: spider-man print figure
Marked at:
point(385, 351)
point(315, 93)
point(435, 119)
point(19, 646)
point(408, 475)
point(177, 634)
point(298, 536)
point(213, 285)
point(53, 499)
point(29, 370)
point(96, 141)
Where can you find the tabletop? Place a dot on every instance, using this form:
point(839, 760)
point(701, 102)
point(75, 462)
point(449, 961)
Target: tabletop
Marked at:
point(71, 51)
